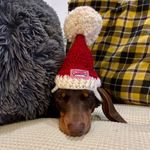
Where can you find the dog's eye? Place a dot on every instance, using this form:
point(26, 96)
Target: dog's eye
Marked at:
point(60, 98)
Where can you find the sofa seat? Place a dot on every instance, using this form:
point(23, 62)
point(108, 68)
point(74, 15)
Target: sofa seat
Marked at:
point(44, 133)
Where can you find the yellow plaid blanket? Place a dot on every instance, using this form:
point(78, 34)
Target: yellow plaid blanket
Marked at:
point(122, 51)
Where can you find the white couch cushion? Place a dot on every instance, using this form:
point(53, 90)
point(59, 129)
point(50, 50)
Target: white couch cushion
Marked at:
point(44, 134)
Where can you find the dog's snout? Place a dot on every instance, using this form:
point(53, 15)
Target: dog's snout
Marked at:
point(76, 129)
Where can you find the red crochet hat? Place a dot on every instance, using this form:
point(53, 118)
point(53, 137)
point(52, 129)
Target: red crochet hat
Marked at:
point(77, 71)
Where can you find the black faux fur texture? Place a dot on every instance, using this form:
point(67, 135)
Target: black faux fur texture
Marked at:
point(31, 53)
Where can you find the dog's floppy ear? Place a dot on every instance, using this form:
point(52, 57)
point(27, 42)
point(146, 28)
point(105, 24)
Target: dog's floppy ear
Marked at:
point(108, 107)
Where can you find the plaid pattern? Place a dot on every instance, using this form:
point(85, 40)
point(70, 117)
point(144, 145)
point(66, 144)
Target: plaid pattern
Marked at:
point(122, 51)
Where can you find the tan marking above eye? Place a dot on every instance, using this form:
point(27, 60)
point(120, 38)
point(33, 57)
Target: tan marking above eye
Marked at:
point(63, 95)
point(86, 94)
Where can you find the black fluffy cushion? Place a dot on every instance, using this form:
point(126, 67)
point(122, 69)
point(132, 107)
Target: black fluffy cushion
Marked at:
point(31, 53)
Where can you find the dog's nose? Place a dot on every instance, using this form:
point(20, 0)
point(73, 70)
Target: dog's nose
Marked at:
point(76, 129)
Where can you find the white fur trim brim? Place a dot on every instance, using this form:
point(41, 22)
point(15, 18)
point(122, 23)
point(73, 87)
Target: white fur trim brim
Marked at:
point(66, 82)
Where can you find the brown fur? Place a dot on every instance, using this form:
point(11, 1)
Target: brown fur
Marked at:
point(75, 108)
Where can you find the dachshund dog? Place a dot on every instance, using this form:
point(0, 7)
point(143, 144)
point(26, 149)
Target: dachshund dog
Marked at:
point(75, 108)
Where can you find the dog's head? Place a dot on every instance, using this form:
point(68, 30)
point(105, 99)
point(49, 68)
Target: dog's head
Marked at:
point(76, 106)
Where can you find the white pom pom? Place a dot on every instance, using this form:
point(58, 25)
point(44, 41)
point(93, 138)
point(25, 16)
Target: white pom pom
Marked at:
point(83, 20)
